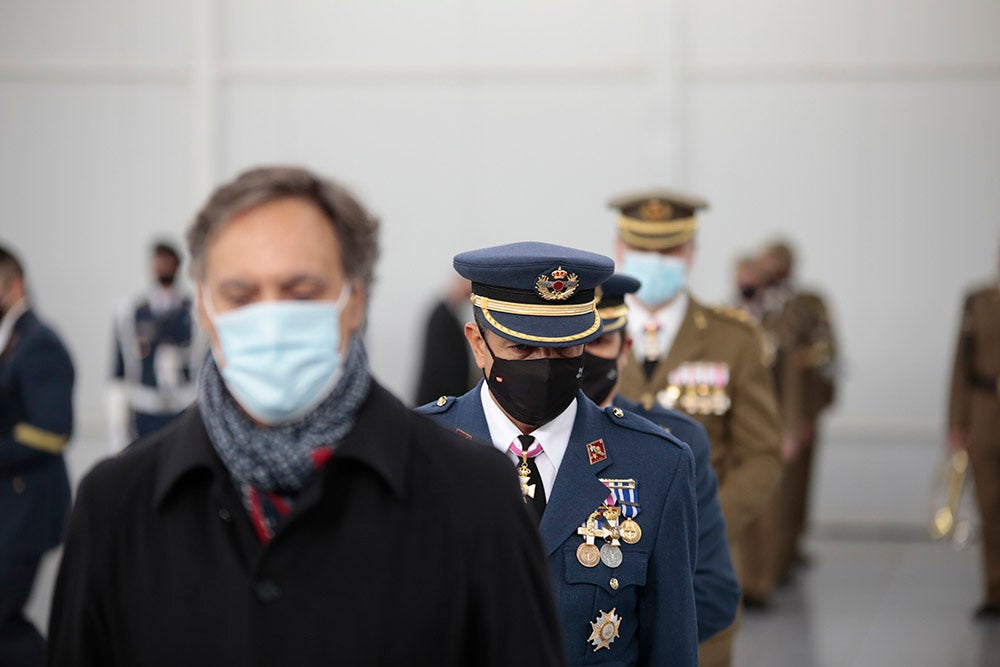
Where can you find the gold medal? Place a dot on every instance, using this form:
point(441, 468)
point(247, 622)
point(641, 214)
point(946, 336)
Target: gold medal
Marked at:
point(588, 554)
point(630, 531)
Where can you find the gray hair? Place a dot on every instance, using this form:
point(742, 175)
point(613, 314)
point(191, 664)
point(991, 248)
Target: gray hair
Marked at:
point(355, 227)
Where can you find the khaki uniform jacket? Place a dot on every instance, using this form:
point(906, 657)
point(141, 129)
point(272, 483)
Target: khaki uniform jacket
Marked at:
point(974, 405)
point(799, 340)
point(745, 435)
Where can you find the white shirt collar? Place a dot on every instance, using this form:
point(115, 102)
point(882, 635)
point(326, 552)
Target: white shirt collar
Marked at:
point(670, 318)
point(10, 319)
point(553, 437)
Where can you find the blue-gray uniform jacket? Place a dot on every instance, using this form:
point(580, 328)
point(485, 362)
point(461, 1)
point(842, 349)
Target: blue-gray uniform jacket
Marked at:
point(652, 591)
point(716, 590)
point(140, 335)
point(36, 419)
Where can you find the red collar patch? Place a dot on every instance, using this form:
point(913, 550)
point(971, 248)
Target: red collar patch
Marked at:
point(596, 452)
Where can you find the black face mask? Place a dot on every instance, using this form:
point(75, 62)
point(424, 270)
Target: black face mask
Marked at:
point(534, 391)
point(166, 280)
point(599, 376)
point(748, 292)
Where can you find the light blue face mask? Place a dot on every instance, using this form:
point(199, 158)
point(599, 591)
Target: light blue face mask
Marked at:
point(662, 276)
point(281, 358)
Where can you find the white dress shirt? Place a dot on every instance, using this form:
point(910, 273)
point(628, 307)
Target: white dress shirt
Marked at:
point(10, 319)
point(553, 437)
point(669, 317)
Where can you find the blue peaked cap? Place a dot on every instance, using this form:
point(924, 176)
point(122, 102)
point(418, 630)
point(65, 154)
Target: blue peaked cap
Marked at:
point(538, 294)
point(611, 306)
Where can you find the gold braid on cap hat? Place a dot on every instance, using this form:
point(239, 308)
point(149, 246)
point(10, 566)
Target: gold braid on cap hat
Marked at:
point(658, 234)
point(486, 304)
point(614, 317)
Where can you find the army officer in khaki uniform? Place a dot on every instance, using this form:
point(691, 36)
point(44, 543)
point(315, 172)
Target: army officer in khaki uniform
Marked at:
point(705, 361)
point(974, 424)
point(797, 331)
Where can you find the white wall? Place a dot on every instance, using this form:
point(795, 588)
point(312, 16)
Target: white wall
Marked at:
point(864, 129)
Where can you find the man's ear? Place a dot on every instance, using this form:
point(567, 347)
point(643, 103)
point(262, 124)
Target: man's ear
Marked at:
point(353, 313)
point(623, 355)
point(476, 344)
point(206, 325)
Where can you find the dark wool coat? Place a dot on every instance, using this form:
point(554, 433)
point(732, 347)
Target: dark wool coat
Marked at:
point(412, 548)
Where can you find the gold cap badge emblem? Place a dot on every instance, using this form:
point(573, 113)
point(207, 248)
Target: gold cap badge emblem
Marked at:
point(655, 209)
point(561, 286)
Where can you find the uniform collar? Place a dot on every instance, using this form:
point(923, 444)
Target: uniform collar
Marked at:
point(379, 440)
point(669, 318)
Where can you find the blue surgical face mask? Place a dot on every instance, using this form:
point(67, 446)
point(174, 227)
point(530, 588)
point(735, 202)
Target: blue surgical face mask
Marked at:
point(662, 276)
point(279, 359)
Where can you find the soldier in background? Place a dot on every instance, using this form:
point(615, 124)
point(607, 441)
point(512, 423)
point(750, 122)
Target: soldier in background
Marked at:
point(748, 289)
point(36, 420)
point(799, 337)
point(445, 362)
point(706, 361)
point(716, 591)
point(974, 424)
point(158, 351)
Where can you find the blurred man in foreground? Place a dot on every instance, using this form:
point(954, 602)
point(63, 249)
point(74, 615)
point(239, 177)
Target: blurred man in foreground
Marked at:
point(298, 513)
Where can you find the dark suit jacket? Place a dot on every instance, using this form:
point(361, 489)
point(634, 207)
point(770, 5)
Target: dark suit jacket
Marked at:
point(444, 362)
point(410, 548)
point(36, 419)
point(652, 591)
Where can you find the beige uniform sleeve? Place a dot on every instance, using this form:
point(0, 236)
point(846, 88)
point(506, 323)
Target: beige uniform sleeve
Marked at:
point(816, 359)
point(756, 439)
point(958, 401)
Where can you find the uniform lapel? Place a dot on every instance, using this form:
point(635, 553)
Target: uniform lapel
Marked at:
point(577, 490)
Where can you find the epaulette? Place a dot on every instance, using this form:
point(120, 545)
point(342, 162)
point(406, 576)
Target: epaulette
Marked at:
point(732, 314)
point(634, 422)
point(437, 407)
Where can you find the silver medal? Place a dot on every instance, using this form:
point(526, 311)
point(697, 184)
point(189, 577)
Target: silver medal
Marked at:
point(611, 555)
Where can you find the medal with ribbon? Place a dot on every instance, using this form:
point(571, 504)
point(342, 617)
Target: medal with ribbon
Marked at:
point(626, 498)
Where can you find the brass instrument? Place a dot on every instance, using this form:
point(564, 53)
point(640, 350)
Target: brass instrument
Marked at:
point(945, 510)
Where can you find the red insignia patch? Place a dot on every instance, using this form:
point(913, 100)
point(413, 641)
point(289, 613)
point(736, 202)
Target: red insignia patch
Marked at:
point(463, 433)
point(596, 452)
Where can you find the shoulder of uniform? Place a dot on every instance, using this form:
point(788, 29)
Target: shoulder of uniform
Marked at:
point(440, 406)
point(730, 316)
point(808, 298)
point(981, 292)
point(637, 423)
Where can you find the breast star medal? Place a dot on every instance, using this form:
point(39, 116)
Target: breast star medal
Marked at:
point(605, 630)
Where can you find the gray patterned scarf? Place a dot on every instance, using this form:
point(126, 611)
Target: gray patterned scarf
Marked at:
point(274, 463)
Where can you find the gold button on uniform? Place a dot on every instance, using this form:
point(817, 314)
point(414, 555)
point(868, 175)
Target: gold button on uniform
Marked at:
point(617, 412)
point(614, 583)
point(18, 484)
point(441, 401)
